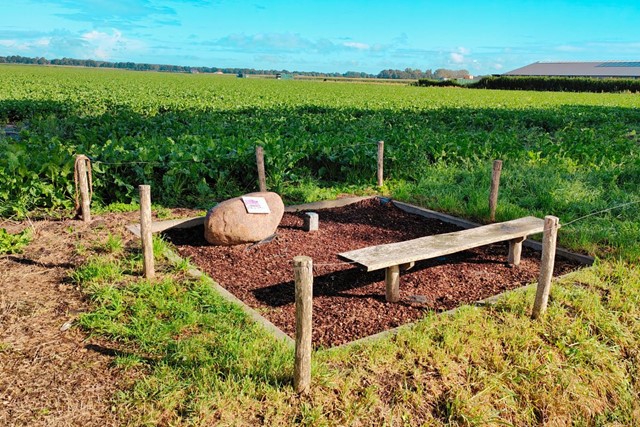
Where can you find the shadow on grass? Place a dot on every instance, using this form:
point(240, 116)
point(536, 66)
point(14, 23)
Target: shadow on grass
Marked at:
point(174, 359)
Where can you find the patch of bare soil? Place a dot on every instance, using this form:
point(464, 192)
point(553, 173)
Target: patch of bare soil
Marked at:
point(51, 374)
point(348, 303)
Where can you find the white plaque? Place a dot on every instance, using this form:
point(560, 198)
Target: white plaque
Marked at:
point(256, 205)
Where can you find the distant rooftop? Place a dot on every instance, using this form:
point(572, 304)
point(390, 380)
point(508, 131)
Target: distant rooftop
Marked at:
point(580, 69)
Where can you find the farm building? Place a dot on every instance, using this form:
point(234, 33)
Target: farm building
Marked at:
point(626, 69)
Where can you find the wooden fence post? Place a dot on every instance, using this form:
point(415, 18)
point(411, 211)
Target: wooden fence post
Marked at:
point(303, 272)
point(82, 180)
point(549, 239)
point(380, 163)
point(495, 185)
point(262, 177)
point(145, 231)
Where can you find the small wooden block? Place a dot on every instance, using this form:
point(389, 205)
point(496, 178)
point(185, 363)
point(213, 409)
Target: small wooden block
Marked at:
point(310, 221)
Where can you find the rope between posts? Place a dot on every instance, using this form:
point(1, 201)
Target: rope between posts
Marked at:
point(357, 145)
point(151, 162)
point(76, 177)
point(168, 162)
point(560, 226)
point(601, 211)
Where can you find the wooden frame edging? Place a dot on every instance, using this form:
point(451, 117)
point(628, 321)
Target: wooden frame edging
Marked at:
point(193, 272)
point(277, 332)
point(174, 258)
point(252, 313)
point(407, 326)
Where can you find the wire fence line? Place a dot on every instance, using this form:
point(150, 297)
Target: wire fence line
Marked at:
point(601, 211)
point(154, 162)
point(231, 155)
point(361, 144)
point(567, 224)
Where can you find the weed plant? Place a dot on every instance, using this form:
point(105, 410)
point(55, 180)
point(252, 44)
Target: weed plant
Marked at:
point(14, 243)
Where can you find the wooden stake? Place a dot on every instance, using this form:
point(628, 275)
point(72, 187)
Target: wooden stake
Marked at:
point(262, 178)
point(145, 231)
point(303, 272)
point(380, 163)
point(392, 282)
point(85, 198)
point(495, 185)
point(549, 239)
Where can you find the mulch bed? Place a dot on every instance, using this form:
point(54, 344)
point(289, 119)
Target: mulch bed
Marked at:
point(349, 303)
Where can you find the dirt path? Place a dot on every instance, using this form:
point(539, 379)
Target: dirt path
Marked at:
point(49, 375)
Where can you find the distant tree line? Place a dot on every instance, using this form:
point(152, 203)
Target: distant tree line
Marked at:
point(415, 74)
point(407, 73)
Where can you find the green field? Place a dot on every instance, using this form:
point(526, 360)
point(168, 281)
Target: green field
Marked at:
point(197, 360)
point(193, 138)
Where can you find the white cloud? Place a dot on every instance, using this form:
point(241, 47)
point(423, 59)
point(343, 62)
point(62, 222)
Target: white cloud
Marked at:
point(42, 42)
point(456, 58)
point(357, 45)
point(265, 42)
point(459, 56)
point(104, 46)
point(24, 46)
point(274, 43)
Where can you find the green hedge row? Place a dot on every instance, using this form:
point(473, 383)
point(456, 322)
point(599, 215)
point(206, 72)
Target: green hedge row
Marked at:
point(559, 84)
point(439, 83)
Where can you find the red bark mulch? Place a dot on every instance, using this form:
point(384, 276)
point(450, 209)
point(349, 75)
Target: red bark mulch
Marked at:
point(349, 303)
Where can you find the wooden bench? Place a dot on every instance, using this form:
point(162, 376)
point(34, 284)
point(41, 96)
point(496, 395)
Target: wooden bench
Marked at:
point(402, 255)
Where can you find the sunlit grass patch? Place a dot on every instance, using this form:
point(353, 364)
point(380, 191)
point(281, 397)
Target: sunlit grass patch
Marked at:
point(490, 365)
point(192, 344)
point(201, 360)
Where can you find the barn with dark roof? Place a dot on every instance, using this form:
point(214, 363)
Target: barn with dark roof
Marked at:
point(624, 69)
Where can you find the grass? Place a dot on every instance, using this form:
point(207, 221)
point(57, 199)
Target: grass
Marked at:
point(119, 207)
point(200, 361)
point(192, 138)
point(601, 214)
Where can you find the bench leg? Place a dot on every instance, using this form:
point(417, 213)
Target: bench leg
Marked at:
point(407, 266)
point(515, 251)
point(392, 280)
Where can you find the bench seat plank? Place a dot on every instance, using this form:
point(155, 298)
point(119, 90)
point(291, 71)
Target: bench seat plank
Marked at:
point(382, 256)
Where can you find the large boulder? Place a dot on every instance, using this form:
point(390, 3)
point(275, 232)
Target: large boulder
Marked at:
point(228, 223)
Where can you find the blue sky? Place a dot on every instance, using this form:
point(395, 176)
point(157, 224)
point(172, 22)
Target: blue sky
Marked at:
point(483, 36)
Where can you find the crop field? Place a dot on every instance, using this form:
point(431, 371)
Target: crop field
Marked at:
point(173, 352)
point(193, 138)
